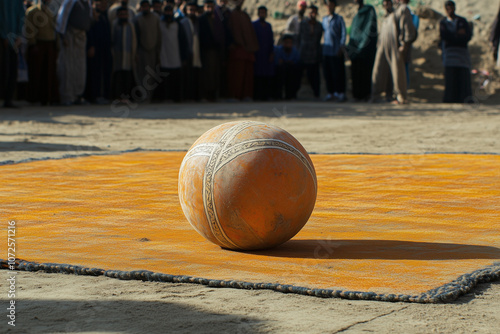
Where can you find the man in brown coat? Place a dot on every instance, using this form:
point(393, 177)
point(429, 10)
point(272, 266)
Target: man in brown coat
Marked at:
point(241, 54)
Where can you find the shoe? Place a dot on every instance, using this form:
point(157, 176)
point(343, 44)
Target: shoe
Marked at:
point(399, 103)
point(81, 102)
point(341, 97)
point(328, 97)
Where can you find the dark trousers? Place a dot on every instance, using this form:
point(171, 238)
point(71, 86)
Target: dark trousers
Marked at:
point(43, 84)
point(122, 84)
point(170, 87)
point(262, 88)
point(9, 70)
point(191, 82)
point(240, 77)
point(99, 75)
point(457, 85)
point(224, 89)
point(361, 70)
point(313, 76)
point(334, 72)
point(288, 77)
point(210, 73)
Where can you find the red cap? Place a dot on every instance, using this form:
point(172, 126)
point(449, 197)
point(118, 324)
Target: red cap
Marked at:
point(302, 3)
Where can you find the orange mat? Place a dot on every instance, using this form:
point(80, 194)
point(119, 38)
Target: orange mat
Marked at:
point(385, 224)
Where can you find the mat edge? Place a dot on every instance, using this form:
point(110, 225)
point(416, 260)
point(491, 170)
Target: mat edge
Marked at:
point(446, 293)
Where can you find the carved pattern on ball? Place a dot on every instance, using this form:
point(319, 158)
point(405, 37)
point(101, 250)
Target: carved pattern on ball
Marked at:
point(223, 152)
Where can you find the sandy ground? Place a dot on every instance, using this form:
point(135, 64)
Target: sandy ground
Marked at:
point(322, 128)
point(48, 303)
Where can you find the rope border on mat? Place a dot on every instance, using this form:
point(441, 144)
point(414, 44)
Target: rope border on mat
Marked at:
point(444, 294)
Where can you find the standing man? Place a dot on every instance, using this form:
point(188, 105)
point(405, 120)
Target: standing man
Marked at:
point(222, 13)
point(112, 11)
point(42, 54)
point(147, 27)
point(99, 58)
point(124, 46)
point(264, 58)
point(362, 48)
point(396, 36)
point(241, 54)
point(455, 35)
point(293, 24)
point(333, 53)
point(212, 43)
point(174, 50)
point(11, 26)
point(73, 22)
point(288, 69)
point(191, 71)
point(309, 43)
point(416, 24)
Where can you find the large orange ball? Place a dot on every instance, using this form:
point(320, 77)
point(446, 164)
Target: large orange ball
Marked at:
point(247, 186)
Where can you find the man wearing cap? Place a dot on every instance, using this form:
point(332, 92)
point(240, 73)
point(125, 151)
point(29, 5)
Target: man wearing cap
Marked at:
point(293, 24)
point(73, 21)
point(42, 54)
point(241, 54)
point(455, 34)
point(147, 26)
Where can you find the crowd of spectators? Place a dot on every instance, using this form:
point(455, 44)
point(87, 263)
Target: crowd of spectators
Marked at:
point(98, 51)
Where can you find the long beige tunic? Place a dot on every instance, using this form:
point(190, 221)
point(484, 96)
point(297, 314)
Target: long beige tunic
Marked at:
point(397, 29)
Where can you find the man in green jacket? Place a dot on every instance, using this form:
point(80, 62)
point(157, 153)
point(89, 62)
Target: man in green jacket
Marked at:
point(361, 49)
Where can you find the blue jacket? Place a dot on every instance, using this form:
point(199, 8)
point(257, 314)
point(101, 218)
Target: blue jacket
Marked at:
point(335, 34)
